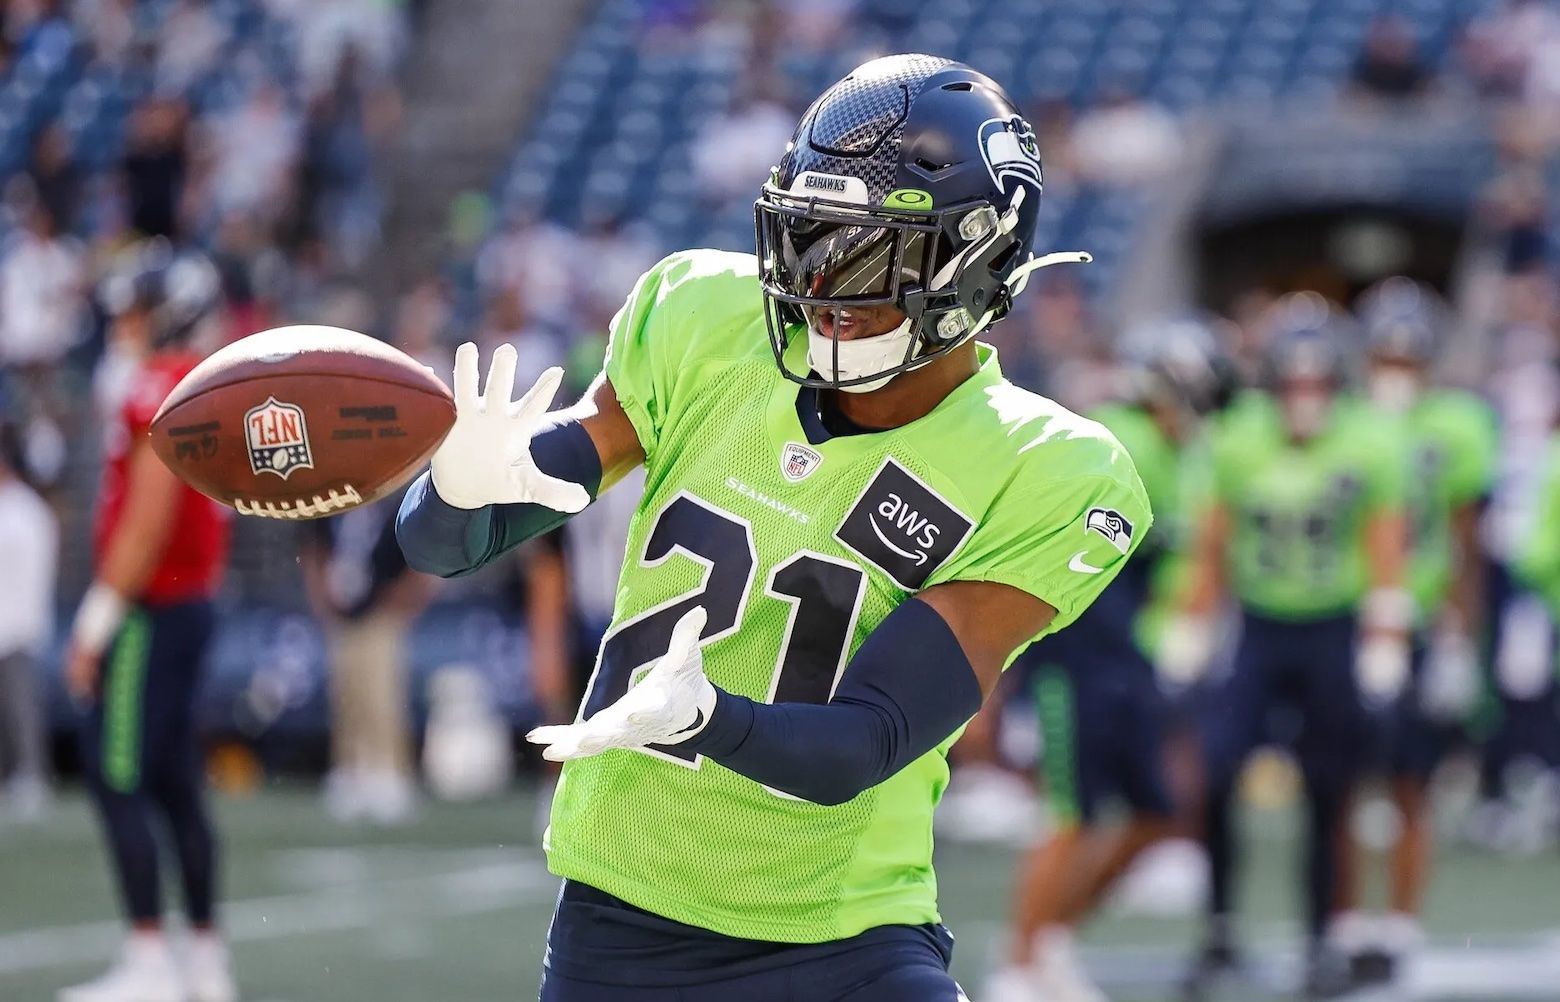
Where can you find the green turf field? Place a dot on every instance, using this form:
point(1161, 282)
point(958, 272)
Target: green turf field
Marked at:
point(454, 909)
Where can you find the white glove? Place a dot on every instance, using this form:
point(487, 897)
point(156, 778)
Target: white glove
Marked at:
point(1381, 667)
point(1185, 650)
point(486, 457)
point(670, 704)
point(1451, 677)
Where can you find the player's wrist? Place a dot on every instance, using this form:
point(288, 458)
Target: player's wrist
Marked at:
point(1382, 665)
point(726, 726)
point(1185, 648)
point(450, 493)
point(1387, 610)
point(98, 618)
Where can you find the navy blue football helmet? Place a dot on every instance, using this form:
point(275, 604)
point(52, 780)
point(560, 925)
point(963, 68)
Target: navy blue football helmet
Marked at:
point(176, 288)
point(1403, 320)
point(1308, 339)
point(1179, 361)
point(915, 183)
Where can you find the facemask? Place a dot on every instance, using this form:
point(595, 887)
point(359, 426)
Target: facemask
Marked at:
point(858, 357)
point(1393, 390)
point(1306, 413)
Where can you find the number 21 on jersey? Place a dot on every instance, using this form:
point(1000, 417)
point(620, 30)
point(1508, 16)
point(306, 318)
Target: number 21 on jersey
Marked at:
point(825, 595)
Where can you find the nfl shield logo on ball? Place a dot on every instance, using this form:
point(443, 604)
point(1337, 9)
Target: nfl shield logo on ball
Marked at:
point(278, 438)
point(798, 461)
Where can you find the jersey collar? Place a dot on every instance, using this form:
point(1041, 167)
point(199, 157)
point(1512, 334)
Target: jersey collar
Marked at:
point(794, 419)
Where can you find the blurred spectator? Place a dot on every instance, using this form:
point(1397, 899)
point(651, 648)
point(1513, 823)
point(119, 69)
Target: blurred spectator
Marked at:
point(1125, 140)
point(366, 599)
point(817, 25)
point(1079, 371)
point(190, 42)
point(1390, 65)
point(617, 255)
point(1515, 207)
point(1492, 69)
point(109, 26)
point(55, 179)
point(29, 546)
point(254, 149)
point(732, 156)
point(328, 28)
point(539, 256)
point(338, 192)
point(252, 272)
point(1522, 41)
point(1053, 122)
point(37, 26)
point(505, 322)
point(421, 320)
point(41, 287)
point(155, 166)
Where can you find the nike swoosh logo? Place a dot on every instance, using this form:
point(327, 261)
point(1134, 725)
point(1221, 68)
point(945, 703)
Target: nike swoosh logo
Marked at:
point(1077, 563)
point(917, 556)
point(690, 730)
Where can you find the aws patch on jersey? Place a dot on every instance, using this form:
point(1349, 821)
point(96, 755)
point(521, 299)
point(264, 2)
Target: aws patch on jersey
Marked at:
point(903, 527)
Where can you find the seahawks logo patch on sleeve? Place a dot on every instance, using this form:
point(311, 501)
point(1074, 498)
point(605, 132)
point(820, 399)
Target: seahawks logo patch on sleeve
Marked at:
point(1111, 524)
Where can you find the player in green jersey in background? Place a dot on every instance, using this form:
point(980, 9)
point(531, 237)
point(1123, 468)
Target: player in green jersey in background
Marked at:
point(1451, 452)
point(1103, 717)
point(1538, 563)
point(851, 524)
point(1304, 529)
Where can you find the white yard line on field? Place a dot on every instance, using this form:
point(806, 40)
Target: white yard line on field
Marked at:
point(471, 890)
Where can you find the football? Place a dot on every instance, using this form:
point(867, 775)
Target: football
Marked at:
point(302, 422)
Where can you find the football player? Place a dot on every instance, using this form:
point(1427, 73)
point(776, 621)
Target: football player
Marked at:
point(137, 645)
point(1102, 713)
point(851, 524)
point(1537, 565)
point(1451, 455)
point(1304, 528)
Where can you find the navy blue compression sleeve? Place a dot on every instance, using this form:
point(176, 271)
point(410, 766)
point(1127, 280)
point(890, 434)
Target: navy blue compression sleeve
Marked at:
point(908, 687)
point(438, 538)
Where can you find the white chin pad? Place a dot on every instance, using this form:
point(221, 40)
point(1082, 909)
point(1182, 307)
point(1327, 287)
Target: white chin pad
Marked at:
point(858, 358)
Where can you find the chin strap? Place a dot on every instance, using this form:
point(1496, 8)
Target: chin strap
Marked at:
point(1020, 276)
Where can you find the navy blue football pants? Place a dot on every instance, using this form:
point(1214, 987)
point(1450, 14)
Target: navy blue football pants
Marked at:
point(1293, 682)
point(140, 759)
point(602, 949)
point(1101, 711)
point(1521, 728)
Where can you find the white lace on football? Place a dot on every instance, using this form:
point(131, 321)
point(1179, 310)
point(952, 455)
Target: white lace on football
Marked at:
point(329, 504)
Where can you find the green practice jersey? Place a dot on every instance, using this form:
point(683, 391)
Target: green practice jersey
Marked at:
point(1451, 465)
point(798, 550)
point(1157, 460)
point(1164, 467)
point(1538, 559)
point(1298, 510)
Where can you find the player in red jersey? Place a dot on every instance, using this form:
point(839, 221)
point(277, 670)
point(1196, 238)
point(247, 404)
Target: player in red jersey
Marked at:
point(137, 646)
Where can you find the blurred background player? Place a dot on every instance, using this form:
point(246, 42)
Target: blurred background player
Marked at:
point(1538, 567)
point(29, 550)
point(365, 598)
point(1101, 711)
point(1451, 451)
point(1304, 528)
point(136, 651)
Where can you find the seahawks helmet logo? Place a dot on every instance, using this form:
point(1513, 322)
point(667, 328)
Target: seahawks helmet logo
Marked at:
point(1011, 151)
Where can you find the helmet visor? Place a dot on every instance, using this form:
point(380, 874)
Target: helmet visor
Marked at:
point(816, 255)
